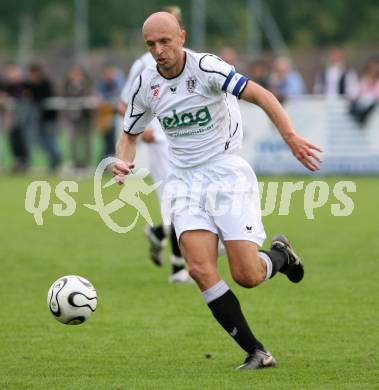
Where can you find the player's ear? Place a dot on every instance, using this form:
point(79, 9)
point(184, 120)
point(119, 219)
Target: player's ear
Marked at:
point(182, 36)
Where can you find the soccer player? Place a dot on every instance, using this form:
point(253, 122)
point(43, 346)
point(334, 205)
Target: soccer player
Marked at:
point(204, 136)
point(156, 140)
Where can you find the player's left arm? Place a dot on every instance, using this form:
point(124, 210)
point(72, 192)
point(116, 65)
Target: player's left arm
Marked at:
point(302, 149)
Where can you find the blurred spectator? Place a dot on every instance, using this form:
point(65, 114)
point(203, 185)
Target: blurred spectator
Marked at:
point(367, 95)
point(78, 85)
point(336, 78)
point(259, 72)
point(37, 90)
point(13, 88)
point(109, 88)
point(229, 55)
point(285, 82)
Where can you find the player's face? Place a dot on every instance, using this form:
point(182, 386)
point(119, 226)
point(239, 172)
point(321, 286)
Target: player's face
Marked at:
point(166, 47)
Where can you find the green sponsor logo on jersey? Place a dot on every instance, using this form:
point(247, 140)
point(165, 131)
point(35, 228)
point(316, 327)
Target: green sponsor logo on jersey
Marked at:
point(201, 118)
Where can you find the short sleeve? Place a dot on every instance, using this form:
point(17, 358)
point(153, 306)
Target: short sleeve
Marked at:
point(223, 76)
point(134, 72)
point(138, 115)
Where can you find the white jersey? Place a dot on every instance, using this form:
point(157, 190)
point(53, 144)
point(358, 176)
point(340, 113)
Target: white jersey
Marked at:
point(137, 68)
point(196, 108)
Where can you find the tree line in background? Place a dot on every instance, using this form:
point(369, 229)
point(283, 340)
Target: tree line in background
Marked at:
point(117, 23)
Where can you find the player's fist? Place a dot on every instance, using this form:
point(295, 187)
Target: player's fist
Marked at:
point(121, 169)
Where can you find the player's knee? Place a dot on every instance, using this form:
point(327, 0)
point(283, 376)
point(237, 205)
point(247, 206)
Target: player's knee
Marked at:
point(198, 272)
point(248, 280)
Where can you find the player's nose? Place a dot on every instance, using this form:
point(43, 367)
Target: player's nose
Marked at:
point(159, 48)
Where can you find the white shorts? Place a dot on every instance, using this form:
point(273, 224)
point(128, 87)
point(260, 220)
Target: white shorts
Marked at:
point(221, 196)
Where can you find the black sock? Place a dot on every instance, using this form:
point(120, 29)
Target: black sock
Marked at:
point(278, 259)
point(175, 251)
point(159, 232)
point(174, 243)
point(227, 311)
point(177, 268)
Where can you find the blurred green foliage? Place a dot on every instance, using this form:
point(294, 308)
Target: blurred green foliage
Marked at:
point(115, 23)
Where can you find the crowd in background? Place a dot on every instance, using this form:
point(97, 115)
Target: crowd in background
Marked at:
point(32, 108)
point(335, 79)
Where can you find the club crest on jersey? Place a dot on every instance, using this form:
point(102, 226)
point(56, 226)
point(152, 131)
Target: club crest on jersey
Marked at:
point(155, 89)
point(201, 118)
point(191, 84)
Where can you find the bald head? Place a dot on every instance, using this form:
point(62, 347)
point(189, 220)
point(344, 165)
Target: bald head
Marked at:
point(161, 21)
point(165, 39)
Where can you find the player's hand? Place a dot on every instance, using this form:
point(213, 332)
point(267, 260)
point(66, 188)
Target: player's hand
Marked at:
point(148, 136)
point(303, 150)
point(121, 169)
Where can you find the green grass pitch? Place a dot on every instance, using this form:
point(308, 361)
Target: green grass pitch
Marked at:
point(148, 334)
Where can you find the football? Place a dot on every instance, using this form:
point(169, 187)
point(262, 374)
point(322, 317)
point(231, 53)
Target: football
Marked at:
point(72, 299)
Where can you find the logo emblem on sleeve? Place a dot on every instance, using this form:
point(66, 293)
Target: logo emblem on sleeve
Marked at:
point(191, 84)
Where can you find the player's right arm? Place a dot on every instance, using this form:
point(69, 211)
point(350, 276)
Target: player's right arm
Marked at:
point(137, 116)
point(133, 74)
point(137, 68)
point(125, 152)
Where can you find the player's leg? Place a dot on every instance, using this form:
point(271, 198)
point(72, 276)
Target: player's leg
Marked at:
point(159, 166)
point(200, 251)
point(249, 270)
point(250, 267)
point(293, 266)
point(242, 231)
point(179, 273)
point(157, 234)
point(199, 248)
point(241, 228)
